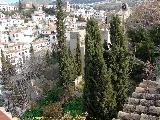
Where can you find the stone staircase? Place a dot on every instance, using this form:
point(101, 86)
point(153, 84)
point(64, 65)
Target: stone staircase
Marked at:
point(144, 103)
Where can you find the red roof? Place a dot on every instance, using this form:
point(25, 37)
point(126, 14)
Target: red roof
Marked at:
point(3, 116)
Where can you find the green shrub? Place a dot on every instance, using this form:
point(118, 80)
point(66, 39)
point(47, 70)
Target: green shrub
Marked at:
point(31, 114)
point(74, 106)
point(52, 96)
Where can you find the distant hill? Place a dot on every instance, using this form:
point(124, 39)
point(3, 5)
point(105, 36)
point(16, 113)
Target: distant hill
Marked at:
point(37, 1)
point(85, 1)
point(51, 1)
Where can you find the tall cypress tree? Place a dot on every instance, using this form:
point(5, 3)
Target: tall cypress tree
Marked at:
point(47, 57)
point(64, 60)
point(117, 59)
point(20, 6)
point(99, 98)
point(78, 57)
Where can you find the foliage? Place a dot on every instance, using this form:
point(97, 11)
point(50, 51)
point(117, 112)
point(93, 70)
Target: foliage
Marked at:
point(7, 69)
point(28, 13)
point(20, 6)
point(78, 58)
point(154, 33)
point(145, 15)
point(74, 106)
point(31, 49)
point(145, 51)
point(49, 11)
point(8, 12)
point(31, 113)
point(53, 95)
point(53, 110)
point(33, 7)
point(73, 65)
point(136, 70)
point(64, 60)
point(117, 59)
point(144, 46)
point(52, 98)
point(98, 92)
point(47, 57)
point(149, 71)
point(81, 19)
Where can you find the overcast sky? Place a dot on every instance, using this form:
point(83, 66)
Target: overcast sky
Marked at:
point(10, 1)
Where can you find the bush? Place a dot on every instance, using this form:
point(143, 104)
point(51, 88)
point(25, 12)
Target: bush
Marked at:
point(74, 106)
point(31, 113)
point(52, 96)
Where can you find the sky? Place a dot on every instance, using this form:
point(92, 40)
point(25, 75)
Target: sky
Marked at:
point(9, 1)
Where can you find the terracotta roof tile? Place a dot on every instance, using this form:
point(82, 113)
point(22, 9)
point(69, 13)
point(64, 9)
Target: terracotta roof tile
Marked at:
point(3, 116)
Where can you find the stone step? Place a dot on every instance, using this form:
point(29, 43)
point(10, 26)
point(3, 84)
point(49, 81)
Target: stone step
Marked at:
point(146, 90)
point(128, 116)
point(147, 96)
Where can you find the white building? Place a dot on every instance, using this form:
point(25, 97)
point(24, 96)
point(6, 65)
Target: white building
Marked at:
point(16, 52)
point(38, 16)
point(2, 16)
point(22, 35)
point(7, 7)
point(99, 15)
point(40, 45)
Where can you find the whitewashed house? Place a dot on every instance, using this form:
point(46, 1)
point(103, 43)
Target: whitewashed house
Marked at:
point(15, 22)
point(8, 7)
point(38, 16)
point(2, 16)
point(40, 45)
point(71, 23)
point(99, 15)
point(4, 37)
point(16, 52)
point(53, 38)
point(22, 35)
point(3, 24)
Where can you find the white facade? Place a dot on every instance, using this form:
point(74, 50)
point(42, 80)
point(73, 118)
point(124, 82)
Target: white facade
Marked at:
point(2, 16)
point(99, 15)
point(7, 7)
point(6, 23)
point(40, 45)
point(38, 16)
point(16, 52)
point(52, 39)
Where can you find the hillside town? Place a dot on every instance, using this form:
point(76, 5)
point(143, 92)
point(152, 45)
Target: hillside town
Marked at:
point(30, 44)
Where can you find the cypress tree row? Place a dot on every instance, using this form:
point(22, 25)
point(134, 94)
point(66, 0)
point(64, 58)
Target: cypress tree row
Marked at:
point(78, 58)
point(117, 59)
point(64, 60)
point(99, 98)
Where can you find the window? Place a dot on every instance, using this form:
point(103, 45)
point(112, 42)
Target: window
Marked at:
point(18, 47)
point(13, 61)
point(16, 35)
point(6, 46)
